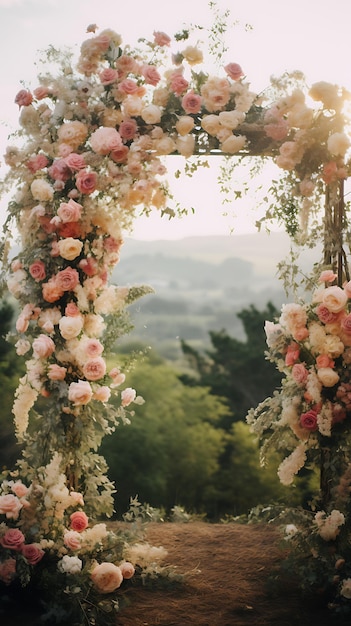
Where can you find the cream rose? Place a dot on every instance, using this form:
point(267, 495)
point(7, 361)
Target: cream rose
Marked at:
point(334, 298)
point(233, 144)
point(70, 248)
point(184, 124)
point(186, 145)
point(42, 190)
point(107, 577)
point(151, 114)
point(328, 376)
point(70, 327)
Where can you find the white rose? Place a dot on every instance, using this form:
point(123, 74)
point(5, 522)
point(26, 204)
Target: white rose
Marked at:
point(328, 376)
point(41, 190)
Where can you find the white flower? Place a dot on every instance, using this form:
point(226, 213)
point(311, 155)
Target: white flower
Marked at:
point(70, 565)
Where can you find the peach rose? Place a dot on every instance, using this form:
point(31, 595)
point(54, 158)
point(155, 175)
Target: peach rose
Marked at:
point(108, 76)
point(13, 539)
point(161, 39)
point(184, 124)
point(94, 369)
point(52, 291)
point(86, 181)
point(106, 577)
point(210, 123)
point(43, 346)
point(151, 75)
point(79, 521)
point(102, 394)
point(70, 248)
point(80, 393)
point(56, 372)
point(10, 506)
point(19, 489)
point(233, 144)
point(72, 133)
point(32, 552)
point(127, 569)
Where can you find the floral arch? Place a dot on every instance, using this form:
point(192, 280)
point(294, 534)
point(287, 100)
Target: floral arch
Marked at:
point(88, 160)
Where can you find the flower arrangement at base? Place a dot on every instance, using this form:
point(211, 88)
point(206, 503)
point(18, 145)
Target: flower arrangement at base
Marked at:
point(308, 421)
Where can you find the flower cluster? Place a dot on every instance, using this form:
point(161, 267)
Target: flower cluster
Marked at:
point(311, 345)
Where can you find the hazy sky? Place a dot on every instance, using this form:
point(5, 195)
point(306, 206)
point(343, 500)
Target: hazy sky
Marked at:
point(310, 35)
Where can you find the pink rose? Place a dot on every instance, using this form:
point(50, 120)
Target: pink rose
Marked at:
point(126, 64)
point(299, 372)
point(151, 75)
point(346, 324)
point(330, 172)
point(128, 86)
point(339, 414)
point(277, 131)
point(43, 346)
point(128, 396)
point(80, 393)
point(10, 506)
point(52, 291)
point(328, 276)
point(326, 316)
point(120, 155)
point(7, 571)
point(55, 372)
point(94, 369)
point(102, 394)
point(37, 162)
point(79, 521)
point(178, 84)
point(67, 279)
point(72, 540)
point(128, 129)
point(191, 102)
point(59, 170)
point(347, 288)
point(24, 98)
point(86, 181)
point(37, 270)
point(161, 39)
point(127, 569)
point(22, 324)
point(69, 211)
point(19, 489)
point(292, 354)
point(13, 539)
point(41, 92)
point(106, 577)
point(105, 139)
point(72, 310)
point(89, 266)
point(108, 76)
point(32, 552)
point(309, 420)
point(234, 71)
point(75, 161)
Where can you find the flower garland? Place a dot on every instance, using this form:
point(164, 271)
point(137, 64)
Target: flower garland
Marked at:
point(92, 159)
point(308, 419)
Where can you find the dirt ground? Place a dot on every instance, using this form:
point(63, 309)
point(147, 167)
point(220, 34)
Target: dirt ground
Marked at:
point(227, 569)
point(231, 587)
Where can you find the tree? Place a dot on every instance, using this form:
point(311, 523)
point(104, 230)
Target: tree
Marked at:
point(10, 371)
point(233, 369)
